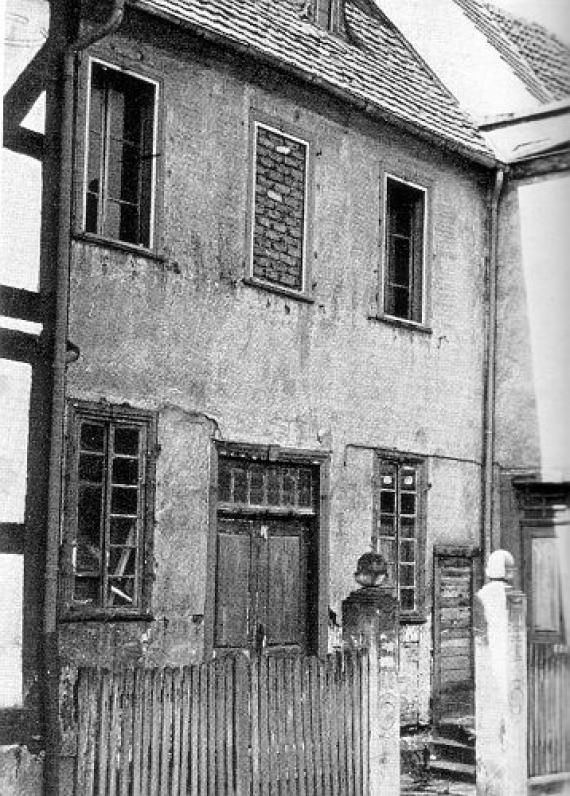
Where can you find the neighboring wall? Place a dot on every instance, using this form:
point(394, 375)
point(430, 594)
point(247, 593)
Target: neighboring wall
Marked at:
point(186, 337)
point(533, 329)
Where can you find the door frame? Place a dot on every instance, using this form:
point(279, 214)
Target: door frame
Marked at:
point(272, 453)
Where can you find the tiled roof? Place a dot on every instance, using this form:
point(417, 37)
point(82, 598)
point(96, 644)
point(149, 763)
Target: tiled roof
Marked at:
point(537, 57)
point(548, 57)
point(380, 72)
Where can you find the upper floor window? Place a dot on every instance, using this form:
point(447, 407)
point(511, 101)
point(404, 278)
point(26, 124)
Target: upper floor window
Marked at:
point(279, 213)
point(403, 273)
point(120, 156)
point(109, 510)
point(399, 531)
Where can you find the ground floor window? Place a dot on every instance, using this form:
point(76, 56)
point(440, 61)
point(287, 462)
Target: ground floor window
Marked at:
point(399, 526)
point(267, 550)
point(108, 528)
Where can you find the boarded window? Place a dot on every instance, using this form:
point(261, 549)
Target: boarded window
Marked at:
point(398, 527)
point(108, 509)
point(279, 212)
point(266, 547)
point(120, 156)
point(404, 255)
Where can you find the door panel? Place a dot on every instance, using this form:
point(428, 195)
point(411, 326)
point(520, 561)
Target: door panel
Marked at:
point(261, 583)
point(233, 583)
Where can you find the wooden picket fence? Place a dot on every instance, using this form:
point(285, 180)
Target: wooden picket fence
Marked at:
point(548, 714)
point(271, 726)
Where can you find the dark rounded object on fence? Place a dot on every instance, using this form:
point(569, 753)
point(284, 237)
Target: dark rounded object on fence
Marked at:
point(371, 569)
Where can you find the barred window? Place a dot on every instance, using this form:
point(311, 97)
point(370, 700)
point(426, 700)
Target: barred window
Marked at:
point(120, 156)
point(403, 278)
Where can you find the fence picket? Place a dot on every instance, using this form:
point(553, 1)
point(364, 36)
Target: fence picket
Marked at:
point(272, 726)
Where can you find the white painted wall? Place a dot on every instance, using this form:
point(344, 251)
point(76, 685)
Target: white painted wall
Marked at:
point(545, 239)
point(460, 55)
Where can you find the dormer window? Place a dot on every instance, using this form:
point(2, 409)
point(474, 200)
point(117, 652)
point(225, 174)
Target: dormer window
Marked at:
point(323, 14)
point(328, 15)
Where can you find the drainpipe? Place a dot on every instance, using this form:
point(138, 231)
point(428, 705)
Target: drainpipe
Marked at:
point(489, 376)
point(60, 358)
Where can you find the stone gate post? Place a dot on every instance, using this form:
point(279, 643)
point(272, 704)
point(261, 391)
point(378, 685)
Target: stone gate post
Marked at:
point(370, 618)
point(500, 682)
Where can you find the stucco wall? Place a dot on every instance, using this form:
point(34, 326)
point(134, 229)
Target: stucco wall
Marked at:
point(188, 338)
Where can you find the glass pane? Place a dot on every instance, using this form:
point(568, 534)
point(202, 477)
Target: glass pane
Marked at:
point(387, 502)
point(92, 211)
point(400, 215)
point(11, 617)
point(387, 480)
point(125, 471)
point(407, 575)
point(124, 500)
point(116, 109)
point(240, 485)
point(387, 525)
point(407, 599)
point(92, 437)
point(114, 169)
point(121, 592)
point(408, 527)
point(289, 488)
point(400, 266)
point(91, 467)
point(130, 174)
point(256, 486)
point(224, 481)
point(387, 548)
point(408, 503)
point(89, 514)
point(305, 487)
point(127, 440)
point(273, 487)
point(129, 224)
point(123, 531)
point(408, 479)
point(401, 308)
point(15, 384)
point(407, 551)
point(122, 561)
point(545, 584)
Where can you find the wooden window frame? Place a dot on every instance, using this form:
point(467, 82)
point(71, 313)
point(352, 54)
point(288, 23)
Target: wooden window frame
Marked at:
point(420, 464)
point(272, 453)
point(79, 411)
point(87, 63)
point(279, 127)
point(408, 180)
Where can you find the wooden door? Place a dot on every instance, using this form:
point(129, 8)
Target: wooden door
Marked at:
point(454, 587)
point(261, 584)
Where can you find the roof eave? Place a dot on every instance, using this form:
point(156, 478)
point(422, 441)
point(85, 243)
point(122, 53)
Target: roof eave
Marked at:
point(373, 110)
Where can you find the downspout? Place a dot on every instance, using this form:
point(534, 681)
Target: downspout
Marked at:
point(60, 359)
point(490, 375)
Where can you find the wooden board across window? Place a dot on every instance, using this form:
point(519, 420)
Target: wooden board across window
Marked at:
point(454, 586)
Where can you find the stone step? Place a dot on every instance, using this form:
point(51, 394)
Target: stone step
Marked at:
point(448, 749)
point(453, 769)
point(461, 729)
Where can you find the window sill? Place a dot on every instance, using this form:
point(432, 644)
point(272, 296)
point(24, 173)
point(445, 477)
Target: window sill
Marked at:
point(282, 291)
point(97, 615)
point(411, 326)
point(109, 243)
